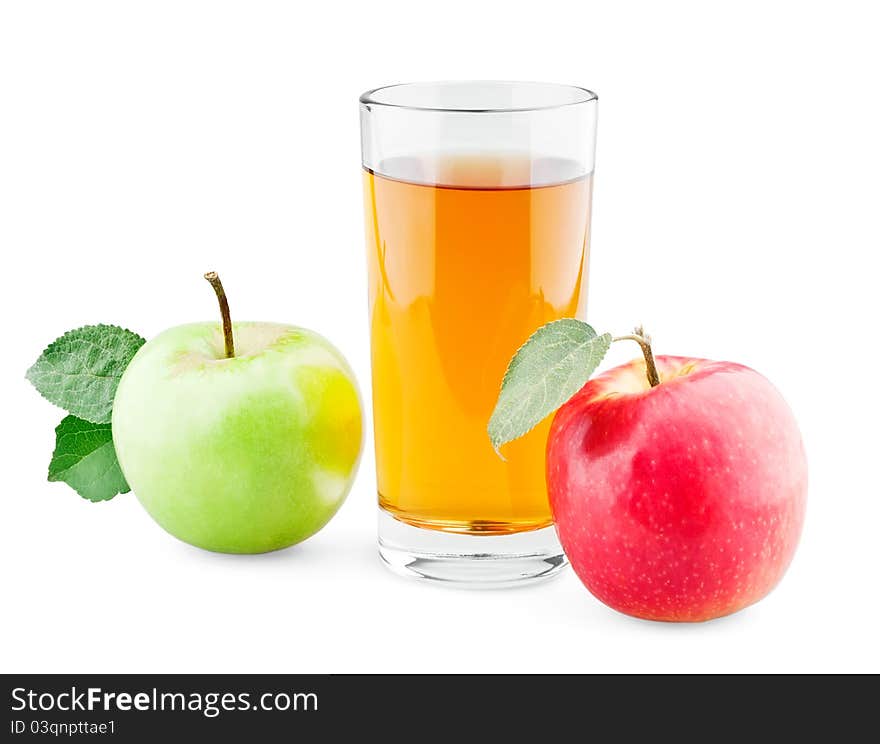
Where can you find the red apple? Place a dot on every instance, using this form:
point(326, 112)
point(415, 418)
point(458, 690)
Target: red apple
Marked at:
point(680, 502)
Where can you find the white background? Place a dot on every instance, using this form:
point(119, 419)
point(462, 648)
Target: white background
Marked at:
point(736, 215)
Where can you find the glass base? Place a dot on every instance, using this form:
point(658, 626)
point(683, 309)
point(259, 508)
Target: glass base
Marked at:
point(478, 561)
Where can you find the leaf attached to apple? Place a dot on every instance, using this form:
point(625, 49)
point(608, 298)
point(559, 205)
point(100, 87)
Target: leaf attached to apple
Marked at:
point(677, 485)
point(238, 438)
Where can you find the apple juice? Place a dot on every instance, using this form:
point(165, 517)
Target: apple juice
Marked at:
point(467, 256)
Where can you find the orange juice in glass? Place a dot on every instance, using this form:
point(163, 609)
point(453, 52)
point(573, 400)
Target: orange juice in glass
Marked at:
point(477, 200)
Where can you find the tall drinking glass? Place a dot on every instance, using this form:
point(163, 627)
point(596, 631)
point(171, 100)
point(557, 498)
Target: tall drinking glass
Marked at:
point(477, 200)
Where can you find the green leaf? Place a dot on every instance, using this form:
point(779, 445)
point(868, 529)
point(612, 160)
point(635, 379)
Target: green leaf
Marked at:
point(85, 459)
point(80, 370)
point(545, 372)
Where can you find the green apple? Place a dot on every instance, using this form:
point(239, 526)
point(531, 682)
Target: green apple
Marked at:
point(242, 453)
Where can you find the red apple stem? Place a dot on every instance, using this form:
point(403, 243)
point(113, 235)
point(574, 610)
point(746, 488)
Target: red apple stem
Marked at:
point(215, 282)
point(644, 341)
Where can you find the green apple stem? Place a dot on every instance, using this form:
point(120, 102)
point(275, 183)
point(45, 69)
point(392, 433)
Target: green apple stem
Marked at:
point(644, 340)
point(214, 280)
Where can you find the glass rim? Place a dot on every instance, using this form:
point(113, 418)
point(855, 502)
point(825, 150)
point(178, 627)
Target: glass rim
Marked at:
point(368, 98)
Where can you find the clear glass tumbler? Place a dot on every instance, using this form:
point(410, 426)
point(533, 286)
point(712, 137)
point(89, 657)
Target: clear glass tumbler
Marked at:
point(477, 199)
